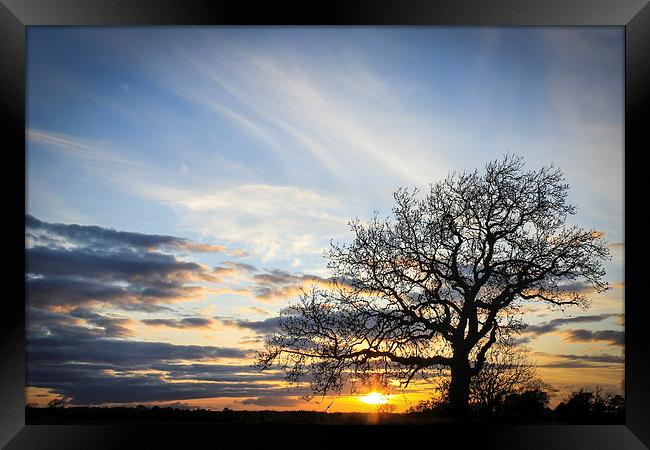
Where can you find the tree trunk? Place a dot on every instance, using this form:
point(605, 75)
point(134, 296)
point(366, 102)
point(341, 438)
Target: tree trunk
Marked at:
point(459, 389)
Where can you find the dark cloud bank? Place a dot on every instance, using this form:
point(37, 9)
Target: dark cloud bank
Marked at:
point(80, 353)
point(612, 337)
point(94, 369)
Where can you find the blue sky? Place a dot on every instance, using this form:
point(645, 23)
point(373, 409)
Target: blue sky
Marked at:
point(265, 141)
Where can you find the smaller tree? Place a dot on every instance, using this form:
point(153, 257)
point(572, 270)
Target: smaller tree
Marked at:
point(507, 373)
point(60, 402)
point(508, 385)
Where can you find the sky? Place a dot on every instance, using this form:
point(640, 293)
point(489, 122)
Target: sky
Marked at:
point(184, 182)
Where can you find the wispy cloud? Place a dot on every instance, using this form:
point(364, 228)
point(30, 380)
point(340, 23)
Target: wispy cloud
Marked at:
point(89, 150)
point(269, 221)
point(279, 400)
point(247, 310)
point(186, 323)
point(336, 112)
point(573, 361)
point(552, 325)
point(263, 327)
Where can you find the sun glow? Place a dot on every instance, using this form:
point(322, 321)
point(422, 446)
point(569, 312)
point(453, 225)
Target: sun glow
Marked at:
point(375, 398)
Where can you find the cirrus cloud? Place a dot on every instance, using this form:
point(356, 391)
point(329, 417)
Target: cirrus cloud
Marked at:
point(188, 322)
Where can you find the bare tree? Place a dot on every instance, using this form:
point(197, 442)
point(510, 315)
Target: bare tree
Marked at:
point(506, 371)
point(437, 285)
point(58, 403)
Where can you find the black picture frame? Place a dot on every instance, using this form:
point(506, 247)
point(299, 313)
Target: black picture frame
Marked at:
point(634, 15)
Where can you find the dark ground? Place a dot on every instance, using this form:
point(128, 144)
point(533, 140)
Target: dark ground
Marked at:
point(99, 415)
point(81, 415)
point(83, 428)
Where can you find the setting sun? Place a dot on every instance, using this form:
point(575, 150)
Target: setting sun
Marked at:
point(375, 398)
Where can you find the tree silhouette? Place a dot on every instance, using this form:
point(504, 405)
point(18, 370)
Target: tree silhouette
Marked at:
point(438, 284)
point(507, 375)
point(57, 403)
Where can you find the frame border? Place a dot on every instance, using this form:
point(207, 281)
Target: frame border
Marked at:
point(634, 15)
